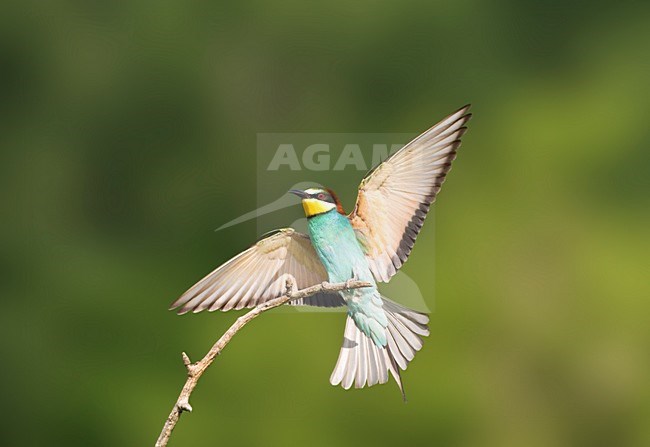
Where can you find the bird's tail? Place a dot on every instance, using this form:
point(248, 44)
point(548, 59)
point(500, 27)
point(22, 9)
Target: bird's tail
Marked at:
point(361, 362)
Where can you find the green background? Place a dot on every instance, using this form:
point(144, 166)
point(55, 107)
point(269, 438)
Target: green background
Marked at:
point(128, 133)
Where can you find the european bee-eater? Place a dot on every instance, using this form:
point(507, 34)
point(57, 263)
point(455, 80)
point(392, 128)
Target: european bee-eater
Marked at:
point(369, 244)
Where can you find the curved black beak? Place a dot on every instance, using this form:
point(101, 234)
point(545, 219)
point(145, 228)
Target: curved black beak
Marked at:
point(299, 193)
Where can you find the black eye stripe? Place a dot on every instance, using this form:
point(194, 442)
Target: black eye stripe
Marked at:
point(325, 197)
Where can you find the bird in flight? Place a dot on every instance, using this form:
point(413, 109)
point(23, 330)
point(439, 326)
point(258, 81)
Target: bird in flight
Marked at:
point(370, 244)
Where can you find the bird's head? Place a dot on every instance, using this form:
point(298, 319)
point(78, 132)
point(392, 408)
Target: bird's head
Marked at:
point(318, 201)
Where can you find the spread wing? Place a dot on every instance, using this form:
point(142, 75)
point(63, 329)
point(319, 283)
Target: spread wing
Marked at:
point(395, 197)
point(260, 274)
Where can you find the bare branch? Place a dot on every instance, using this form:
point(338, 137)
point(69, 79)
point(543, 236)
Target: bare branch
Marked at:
point(195, 370)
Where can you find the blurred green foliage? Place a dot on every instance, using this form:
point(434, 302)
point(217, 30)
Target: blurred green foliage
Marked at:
point(128, 133)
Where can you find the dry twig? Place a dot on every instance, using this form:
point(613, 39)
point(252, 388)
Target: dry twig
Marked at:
point(195, 370)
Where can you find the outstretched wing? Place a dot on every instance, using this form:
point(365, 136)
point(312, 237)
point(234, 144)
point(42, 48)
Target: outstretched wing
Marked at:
point(260, 274)
point(395, 197)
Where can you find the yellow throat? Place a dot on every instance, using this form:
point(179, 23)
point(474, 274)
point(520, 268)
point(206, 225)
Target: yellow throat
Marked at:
point(314, 206)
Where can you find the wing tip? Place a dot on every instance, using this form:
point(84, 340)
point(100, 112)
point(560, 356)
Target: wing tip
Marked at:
point(461, 114)
point(183, 305)
point(176, 304)
point(464, 109)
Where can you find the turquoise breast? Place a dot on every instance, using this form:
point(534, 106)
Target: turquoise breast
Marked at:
point(339, 250)
point(337, 246)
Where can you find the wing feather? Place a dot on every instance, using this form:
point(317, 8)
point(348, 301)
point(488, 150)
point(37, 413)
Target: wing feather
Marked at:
point(395, 197)
point(259, 274)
